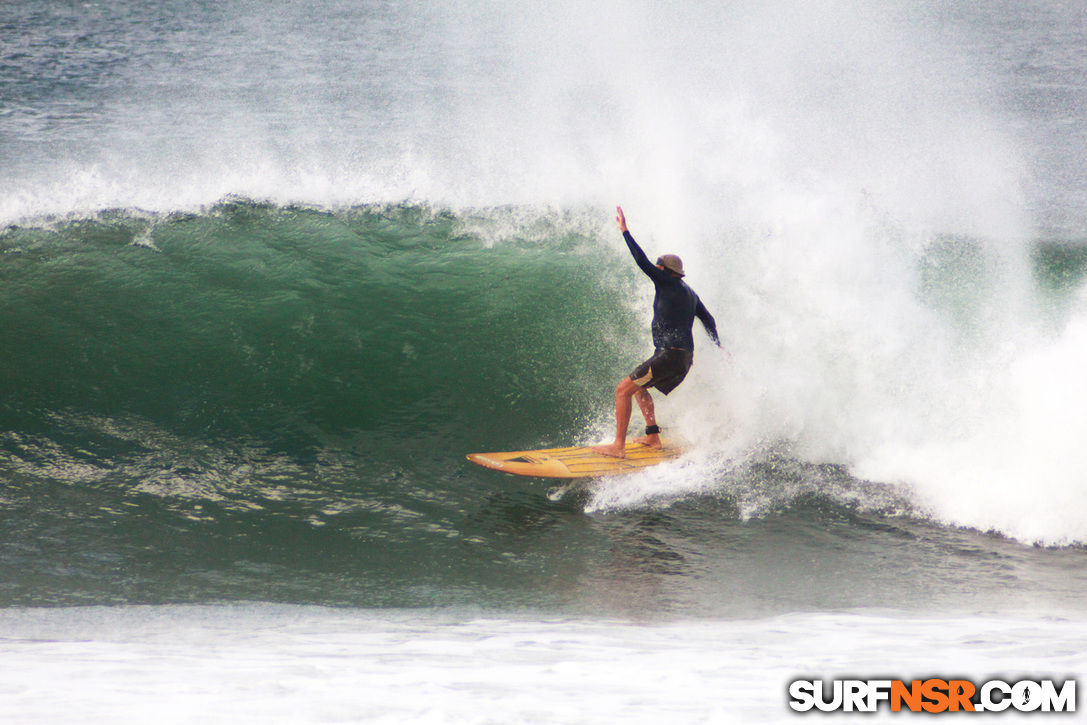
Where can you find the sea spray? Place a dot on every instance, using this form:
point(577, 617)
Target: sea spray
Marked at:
point(855, 220)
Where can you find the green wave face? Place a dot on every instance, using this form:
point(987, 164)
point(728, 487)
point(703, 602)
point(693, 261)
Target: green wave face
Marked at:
point(273, 403)
point(264, 388)
point(288, 323)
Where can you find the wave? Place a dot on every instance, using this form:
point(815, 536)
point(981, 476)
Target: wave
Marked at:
point(389, 230)
point(196, 355)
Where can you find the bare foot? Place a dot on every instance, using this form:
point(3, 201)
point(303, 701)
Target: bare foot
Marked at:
point(614, 450)
point(653, 441)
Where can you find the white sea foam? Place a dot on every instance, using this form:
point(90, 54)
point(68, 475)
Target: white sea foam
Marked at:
point(275, 664)
point(850, 203)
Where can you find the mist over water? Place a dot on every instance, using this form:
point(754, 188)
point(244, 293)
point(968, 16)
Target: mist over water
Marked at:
point(487, 103)
point(856, 191)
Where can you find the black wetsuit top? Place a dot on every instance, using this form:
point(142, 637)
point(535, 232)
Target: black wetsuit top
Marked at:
point(674, 307)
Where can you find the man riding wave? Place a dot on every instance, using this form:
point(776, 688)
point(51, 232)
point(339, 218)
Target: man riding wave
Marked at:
point(675, 307)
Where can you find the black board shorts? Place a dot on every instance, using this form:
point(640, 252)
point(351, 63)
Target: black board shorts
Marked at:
point(665, 370)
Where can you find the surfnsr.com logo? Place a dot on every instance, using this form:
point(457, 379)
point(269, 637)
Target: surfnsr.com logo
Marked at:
point(933, 695)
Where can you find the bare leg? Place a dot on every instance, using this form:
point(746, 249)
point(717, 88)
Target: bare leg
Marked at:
point(624, 391)
point(645, 402)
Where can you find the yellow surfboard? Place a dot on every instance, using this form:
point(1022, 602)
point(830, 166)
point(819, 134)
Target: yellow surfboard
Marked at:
point(579, 462)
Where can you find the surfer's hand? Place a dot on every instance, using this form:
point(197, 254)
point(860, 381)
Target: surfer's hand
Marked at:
point(620, 219)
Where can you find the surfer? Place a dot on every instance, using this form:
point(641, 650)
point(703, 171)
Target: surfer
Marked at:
point(675, 307)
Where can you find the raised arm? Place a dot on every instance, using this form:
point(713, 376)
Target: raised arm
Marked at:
point(639, 256)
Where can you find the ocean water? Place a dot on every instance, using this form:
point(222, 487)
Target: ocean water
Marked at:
point(268, 271)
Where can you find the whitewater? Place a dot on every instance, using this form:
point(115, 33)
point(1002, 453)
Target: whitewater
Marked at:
point(269, 270)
